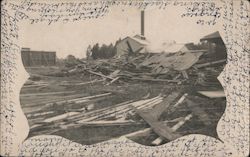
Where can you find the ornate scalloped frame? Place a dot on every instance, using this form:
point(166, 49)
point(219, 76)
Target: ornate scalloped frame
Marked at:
point(232, 128)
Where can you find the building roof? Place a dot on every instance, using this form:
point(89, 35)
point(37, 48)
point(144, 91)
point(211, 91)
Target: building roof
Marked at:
point(35, 51)
point(137, 38)
point(211, 36)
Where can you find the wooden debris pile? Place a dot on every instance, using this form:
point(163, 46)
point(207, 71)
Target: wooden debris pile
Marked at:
point(171, 68)
point(185, 105)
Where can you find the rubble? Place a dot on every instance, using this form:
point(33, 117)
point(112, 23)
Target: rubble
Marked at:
point(184, 92)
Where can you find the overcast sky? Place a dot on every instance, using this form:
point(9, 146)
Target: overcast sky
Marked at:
point(74, 38)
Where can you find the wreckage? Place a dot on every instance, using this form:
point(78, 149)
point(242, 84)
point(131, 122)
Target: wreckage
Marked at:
point(151, 98)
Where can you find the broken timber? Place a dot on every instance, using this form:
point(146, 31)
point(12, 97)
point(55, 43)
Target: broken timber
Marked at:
point(212, 94)
point(155, 80)
point(99, 74)
point(174, 128)
point(210, 63)
point(157, 126)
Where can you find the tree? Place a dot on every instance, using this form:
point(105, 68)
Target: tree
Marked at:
point(89, 52)
point(71, 61)
point(95, 50)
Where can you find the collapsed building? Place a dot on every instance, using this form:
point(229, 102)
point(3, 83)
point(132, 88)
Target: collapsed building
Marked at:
point(131, 45)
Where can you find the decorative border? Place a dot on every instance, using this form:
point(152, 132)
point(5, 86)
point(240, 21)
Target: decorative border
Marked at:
point(232, 18)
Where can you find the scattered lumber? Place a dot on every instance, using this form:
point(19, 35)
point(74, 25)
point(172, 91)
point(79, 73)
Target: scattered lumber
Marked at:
point(184, 74)
point(49, 93)
point(83, 99)
point(114, 80)
point(143, 133)
point(155, 80)
point(35, 85)
point(174, 128)
point(114, 74)
point(95, 113)
point(159, 109)
point(158, 127)
point(39, 114)
point(210, 63)
point(59, 117)
point(116, 110)
point(42, 102)
point(84, 83)
point(102, 123)
point(180, 100)
point(99, 74)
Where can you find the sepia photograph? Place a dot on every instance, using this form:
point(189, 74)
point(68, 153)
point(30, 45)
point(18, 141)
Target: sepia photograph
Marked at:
point(147, 75)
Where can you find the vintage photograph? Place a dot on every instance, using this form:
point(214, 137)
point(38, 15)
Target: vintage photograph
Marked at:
point(147, 75)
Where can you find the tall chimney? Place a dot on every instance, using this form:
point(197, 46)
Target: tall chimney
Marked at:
point(142, 22)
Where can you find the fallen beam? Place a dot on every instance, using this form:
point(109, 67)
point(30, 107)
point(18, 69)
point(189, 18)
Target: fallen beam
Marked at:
point(180, 100)
point(210, 63)
point(116, 110)
point(158, 127)
point(83, 99)
point(83, 83)
point(213, 94)
point(174, 128)
point(184, 74)
point(59, 117)
point(100, 74)
point(114, 80)
point(155, 80)
point(139, 133)
point(49, 93)
point(159, 109)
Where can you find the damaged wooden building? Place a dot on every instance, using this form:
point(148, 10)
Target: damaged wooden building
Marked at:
point(38, 58)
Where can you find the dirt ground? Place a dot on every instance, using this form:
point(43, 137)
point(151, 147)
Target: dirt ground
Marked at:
point(121, 91)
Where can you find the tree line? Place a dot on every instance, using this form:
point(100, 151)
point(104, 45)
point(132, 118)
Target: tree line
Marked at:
point(102, 52)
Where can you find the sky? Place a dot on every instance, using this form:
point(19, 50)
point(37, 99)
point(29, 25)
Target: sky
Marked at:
point(73, 38)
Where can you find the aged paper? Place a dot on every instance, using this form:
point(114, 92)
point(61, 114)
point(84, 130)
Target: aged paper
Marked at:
point(62, 26)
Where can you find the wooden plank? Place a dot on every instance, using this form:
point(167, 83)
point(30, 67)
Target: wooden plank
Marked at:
point(78, 99)
point(159, 127)
point(210, 63)
point(35, 85)
point(100, 74)
point(42, 102)
point(213, 94)
point(114, 74)
point(174, 128)
point(97, 112)
point(114, 80)
point(184, 74)
point(60, 117)
point(104, 124)
point(144, 132)
point(180, 100)
point(84, 83)
point(49, 93)
point(159, 109)
point(155, 80)
point(116, 110)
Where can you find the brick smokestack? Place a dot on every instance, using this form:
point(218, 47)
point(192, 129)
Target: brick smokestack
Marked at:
point(142, 23)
